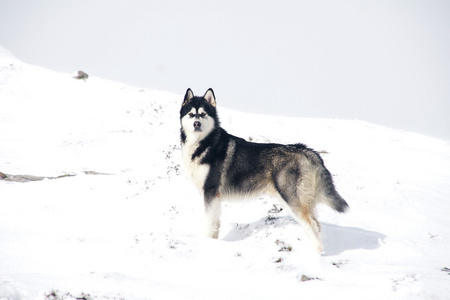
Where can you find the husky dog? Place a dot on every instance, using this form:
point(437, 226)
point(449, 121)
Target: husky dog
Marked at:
point(223, 166)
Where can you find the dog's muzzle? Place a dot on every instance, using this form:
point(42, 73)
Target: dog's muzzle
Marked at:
point(197, 126)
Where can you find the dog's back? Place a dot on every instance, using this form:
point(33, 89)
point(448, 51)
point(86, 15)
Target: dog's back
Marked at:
point(290, 171)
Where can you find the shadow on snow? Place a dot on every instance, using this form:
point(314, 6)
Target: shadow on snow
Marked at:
point(336, 239)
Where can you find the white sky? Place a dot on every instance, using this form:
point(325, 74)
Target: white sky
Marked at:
point(383, 61)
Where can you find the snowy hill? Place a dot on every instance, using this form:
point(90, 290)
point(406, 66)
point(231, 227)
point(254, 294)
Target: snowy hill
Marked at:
point(104, 211)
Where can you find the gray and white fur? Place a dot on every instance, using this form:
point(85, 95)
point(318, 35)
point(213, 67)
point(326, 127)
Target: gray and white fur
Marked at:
point(225, 166)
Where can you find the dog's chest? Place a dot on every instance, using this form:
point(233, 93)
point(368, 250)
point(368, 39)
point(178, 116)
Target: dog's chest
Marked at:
point(195, 171)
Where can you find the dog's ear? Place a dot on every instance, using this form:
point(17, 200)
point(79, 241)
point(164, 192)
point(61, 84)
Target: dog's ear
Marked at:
point(189, 95)
point(210, 98)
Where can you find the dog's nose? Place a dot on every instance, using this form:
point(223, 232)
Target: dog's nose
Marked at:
point(197, 124)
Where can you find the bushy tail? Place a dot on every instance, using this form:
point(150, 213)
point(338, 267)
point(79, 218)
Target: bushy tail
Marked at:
point(329, 194)
point(324, 185)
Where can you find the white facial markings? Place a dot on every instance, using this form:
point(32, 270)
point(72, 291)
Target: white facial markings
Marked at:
point(205, 127)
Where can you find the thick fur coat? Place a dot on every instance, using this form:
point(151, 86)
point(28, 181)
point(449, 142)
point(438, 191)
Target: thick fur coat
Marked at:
point(224, 166)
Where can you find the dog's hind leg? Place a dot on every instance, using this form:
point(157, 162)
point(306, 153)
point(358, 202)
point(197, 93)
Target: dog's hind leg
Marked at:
point(300, 200)
point(305, 216)
point(213, 210)
point(312, 227)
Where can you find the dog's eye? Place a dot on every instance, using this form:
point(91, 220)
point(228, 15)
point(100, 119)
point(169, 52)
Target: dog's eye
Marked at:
point(191, 115)
point(202, 114)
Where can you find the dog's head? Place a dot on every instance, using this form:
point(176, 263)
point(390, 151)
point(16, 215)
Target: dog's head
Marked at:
point(198, 115)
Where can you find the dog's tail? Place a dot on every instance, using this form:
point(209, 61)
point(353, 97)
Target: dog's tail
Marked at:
point(328, 193)
point(323, 184)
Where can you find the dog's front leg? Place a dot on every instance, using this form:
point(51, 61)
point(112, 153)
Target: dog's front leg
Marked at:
point(213, 209)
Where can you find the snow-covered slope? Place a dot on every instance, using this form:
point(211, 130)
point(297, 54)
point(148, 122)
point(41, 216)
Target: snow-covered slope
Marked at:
point(114, 218)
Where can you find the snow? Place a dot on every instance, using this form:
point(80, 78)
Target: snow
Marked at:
point(123, 222)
